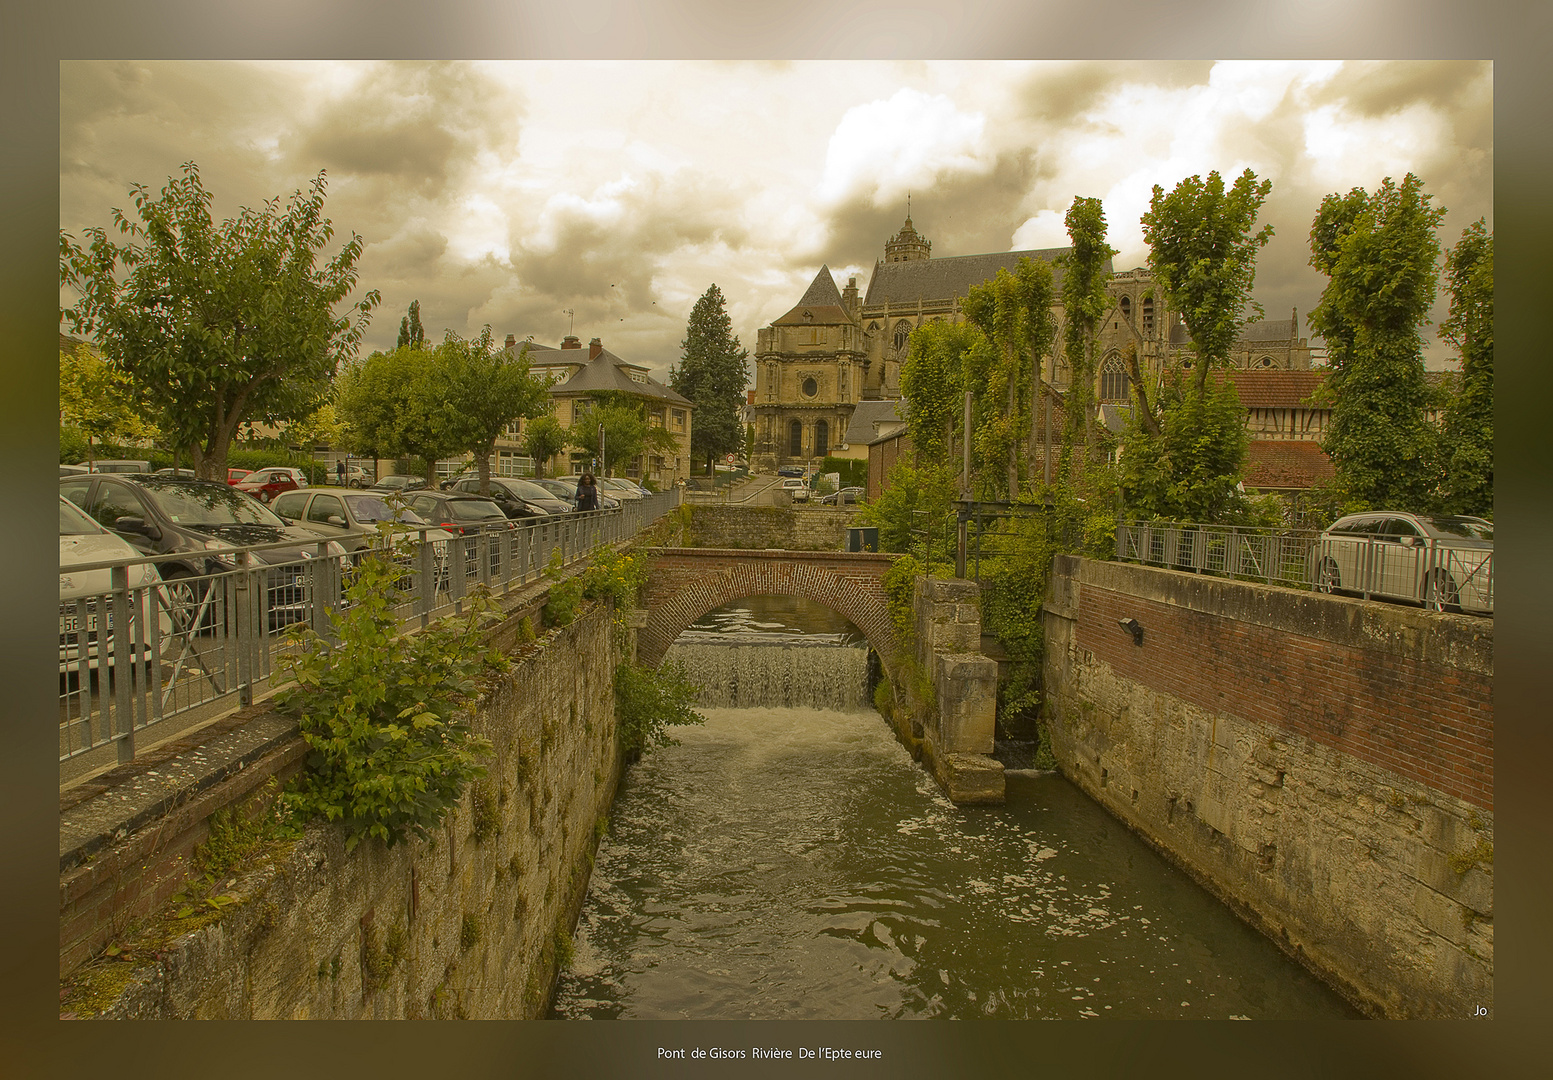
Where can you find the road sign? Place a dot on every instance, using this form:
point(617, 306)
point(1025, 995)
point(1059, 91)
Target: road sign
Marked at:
point(730, 459)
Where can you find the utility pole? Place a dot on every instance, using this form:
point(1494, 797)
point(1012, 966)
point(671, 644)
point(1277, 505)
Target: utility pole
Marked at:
point(965, 492)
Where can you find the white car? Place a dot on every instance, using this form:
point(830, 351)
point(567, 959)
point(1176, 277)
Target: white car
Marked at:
point(82, 593)
point(1444, 563)
point(797, 487)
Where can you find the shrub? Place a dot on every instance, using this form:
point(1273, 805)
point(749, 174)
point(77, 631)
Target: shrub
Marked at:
point(648, 702)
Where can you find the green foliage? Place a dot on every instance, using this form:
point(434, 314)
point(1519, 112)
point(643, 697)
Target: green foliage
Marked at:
point(214, 325)
point(1202, 252)
point(73, 445)
point(712, 374)
point(614, 575)
point(627, 433)
point(933, 381)
point(480, 390)
point(1085, 302)
point(388, 406)
point(915, 511)
point(1192, 469)
point(853, 473)
point(484, 812)
point(469, 931)
point(565, 952)
point(97, 401)
point(1379, 253)
point(1467, 436)
point(543, 438)
point(411, 333)
point(648, 702)
point(565, 593)
point(389, 752)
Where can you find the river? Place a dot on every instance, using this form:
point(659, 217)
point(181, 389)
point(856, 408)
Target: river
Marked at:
point(788, 860)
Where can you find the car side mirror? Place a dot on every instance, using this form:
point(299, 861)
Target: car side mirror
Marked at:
point(137, 525)
point(335, 520)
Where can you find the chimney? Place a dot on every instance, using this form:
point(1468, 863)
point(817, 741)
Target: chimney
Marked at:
point(594, 348)
point(511, 340)
point(849, 296)
point(571, 341)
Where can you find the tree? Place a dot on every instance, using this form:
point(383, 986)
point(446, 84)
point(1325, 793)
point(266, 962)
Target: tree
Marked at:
point(1379, 252)
point(481, 390)
point(389, 405)
point(711, 373)
point(411, 332)
point(1467, 437)
point(627, 432)
point(1085, 302)
point(214, 325)
point(1203, 254)
point(542, 440)
point(932, 382)
point(1014, 313)
point(95, 399)
point(1190, 470)
point(321, 427)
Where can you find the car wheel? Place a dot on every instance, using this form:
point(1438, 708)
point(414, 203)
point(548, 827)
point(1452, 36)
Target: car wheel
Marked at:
point(1327, 578)
point(185, 596)
point(264, 497)
point(1441, 593)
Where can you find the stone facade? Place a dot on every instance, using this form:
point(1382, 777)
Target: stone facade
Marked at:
point(816, 528)
point(1323, 765)
point(468, 924)
point(958, 732)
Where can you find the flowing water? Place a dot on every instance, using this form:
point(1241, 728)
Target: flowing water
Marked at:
point(788, 860)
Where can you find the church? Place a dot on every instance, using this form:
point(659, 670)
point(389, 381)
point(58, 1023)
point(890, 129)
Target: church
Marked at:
point(827, 372)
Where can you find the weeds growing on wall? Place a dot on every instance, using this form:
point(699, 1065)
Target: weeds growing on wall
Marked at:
point(390, 749)
point(649, 702)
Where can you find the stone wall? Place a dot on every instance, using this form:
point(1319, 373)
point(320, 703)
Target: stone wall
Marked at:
point(797, 528)
point(1323, 765)
point(468, 923)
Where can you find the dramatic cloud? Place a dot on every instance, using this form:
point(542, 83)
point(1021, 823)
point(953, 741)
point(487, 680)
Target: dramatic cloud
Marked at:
point(544, 197)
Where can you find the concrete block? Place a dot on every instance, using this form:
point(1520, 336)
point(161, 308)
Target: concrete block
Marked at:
point(970, 778)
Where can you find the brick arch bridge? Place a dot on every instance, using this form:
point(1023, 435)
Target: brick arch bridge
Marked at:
point(685, 583)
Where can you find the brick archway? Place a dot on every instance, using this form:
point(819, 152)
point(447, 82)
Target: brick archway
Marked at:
point(685, 583)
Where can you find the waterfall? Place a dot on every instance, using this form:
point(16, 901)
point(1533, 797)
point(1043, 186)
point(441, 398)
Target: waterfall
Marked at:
point(789, 674)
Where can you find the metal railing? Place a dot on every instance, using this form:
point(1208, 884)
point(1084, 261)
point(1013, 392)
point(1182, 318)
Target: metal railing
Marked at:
point(198, 646)
point(1436, 573)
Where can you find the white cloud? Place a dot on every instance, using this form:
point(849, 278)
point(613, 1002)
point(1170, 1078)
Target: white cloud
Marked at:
point(884, 148)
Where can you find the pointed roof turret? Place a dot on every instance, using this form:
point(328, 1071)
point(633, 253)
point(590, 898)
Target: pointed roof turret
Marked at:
point(908, 245)
point(821, 304)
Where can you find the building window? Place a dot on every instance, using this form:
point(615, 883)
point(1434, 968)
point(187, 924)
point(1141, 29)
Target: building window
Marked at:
point(902, 335)
point(821, 439)
point(679, 419)
point(1126, 305)
point(1113, 380)
point(1266, 361)
point(1148, 316)
point(810, 387)
point(795, 439)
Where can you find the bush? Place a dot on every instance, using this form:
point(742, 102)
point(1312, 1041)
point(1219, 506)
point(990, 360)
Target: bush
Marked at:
point(854, 473)
point(648, 702)
point(388, 757)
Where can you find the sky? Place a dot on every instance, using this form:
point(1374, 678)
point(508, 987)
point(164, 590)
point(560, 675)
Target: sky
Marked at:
point(603, 198)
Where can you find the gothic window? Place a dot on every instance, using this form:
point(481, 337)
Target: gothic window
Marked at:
point(1266, 361)
point(1113, 380)
point(1126, 305)
point(902, 335)
point(795, 439)
point(821, 438)
point(810, 387)
point(1148, 316)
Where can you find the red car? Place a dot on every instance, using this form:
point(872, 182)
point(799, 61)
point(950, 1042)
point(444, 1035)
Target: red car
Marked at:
point(265, 484)
point(234, 475)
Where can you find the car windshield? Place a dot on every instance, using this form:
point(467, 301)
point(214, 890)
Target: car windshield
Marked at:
point(207, 503)
point(74, 522)
point(475, 510)
point(365, 508)
point(523, 489)
point(1468, 528)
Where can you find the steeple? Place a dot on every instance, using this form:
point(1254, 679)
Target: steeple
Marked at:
point(908, 245)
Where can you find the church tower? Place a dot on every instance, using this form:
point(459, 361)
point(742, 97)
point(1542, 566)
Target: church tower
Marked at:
point(908, 245)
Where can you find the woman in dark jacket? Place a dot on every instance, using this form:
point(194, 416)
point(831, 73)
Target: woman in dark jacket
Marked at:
point(587, 492)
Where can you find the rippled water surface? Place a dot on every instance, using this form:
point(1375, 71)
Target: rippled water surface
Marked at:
point(792, 863)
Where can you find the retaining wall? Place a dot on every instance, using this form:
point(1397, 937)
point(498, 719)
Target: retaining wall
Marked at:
point(797, 528)
point(1324, 765)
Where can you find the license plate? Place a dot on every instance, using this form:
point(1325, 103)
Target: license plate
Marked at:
point(68, 624)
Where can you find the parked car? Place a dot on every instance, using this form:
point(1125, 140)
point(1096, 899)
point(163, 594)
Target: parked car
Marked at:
point(797, 488)
point(188, 524)
point(234, 475)
point(1445, 563)
point(121, 465)
point(73, 470)
point(349, 517)
point(792, 470)
point(186, 474)
point(400, 483)
point(620, 487)
point(265, 484)
point(83, 632)
point(845, 497)
point(567, 492)
point(517, 498)
point(357, 477)
point(457, 512)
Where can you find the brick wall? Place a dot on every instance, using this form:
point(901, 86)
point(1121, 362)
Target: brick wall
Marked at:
point(806, 528)
point(1324, 765)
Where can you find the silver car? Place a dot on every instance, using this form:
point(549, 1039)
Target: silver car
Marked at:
point(1444, 563)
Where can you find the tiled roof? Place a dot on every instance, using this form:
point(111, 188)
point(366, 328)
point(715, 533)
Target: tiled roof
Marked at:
point(821, 302)
point(1274, 388)
point(1284, 465)
point(866, 416)
point(604, 373)
point(939, 279)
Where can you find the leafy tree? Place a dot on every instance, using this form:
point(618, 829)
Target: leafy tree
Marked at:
point(1191, 470)
point(1379, 252)
point(933, 382)
point(543, 438)
point(390, 405)
point(480, 390)
point(916, 510)
point(96, 400)
point(1203, 254)
point(411, 333)
point(711, 373)
point(627, 433)
point(321, 427)
point(1467, 438)
point(1013, 312)
point(1085, 302)
point(213, 324)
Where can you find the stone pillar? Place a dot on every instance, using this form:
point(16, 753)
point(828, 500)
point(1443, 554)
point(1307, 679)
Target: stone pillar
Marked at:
point(959, 735)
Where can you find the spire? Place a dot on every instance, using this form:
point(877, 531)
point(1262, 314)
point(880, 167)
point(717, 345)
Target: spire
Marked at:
point(822, 291)
point(908, 245)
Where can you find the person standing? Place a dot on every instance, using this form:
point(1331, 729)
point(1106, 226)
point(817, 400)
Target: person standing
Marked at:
point(587, 492)
point(339, 472)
